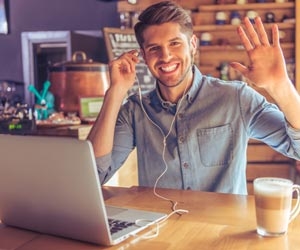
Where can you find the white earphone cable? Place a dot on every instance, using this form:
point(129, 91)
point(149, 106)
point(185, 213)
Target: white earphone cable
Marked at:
point(174, 203)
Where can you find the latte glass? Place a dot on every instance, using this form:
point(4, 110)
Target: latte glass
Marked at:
point(273, 205)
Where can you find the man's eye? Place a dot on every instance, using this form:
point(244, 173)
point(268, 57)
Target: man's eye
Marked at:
point(174, 43)
point(153, 49)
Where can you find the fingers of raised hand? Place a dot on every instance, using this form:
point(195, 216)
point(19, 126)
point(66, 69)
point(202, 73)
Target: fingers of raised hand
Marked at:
point(275, 35)
point(257, 35)
point(252, 35)
point(127, 61)
point(245, 41)
point(131, 56)
point(261, 31)
point(240, 68)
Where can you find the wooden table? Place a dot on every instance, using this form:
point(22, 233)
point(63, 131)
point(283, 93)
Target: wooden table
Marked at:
point(215, 221)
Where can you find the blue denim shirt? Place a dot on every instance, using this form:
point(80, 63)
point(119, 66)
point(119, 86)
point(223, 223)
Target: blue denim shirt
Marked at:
point(206, 149)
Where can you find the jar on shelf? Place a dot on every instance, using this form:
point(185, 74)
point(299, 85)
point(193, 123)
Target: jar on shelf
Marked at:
point(251, 14)
point(125, 20)
point(235, 18)
point(134, 18)
point(221, 18)
point(205, 39)
point(270, 17)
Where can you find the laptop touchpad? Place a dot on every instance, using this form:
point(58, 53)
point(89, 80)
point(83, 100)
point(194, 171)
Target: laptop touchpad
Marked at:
point(111, 211)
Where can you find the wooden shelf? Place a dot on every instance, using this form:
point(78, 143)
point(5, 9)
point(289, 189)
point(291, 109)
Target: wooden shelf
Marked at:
point(143, 4)
point(230, 27)
point(226, 48)
point(249, 6)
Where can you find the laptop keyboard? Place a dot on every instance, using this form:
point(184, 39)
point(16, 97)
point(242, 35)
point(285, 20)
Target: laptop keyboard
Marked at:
point(117, 225)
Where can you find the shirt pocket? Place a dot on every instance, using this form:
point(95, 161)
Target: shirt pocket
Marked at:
point(215, 145)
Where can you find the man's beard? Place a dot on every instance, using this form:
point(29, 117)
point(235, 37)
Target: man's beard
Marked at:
point(182, 78)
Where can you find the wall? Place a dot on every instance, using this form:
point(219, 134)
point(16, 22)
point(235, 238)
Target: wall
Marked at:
point(41, 15)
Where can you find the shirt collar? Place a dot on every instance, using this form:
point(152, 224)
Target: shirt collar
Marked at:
point(196, 84)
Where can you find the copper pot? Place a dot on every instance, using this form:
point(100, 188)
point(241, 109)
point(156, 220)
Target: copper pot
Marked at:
point(77, 78)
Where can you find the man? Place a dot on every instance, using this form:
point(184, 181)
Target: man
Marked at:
point(192, 131)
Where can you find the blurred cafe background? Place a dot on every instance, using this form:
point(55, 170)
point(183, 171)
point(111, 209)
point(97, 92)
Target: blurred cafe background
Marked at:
point(54, 62)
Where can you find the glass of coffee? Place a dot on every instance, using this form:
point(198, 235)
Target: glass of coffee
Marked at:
point(273, 204)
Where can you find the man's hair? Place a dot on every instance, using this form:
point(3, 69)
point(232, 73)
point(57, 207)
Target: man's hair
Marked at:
point(160, 13)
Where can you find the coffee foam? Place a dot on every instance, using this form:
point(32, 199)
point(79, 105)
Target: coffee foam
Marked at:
point(272, 187)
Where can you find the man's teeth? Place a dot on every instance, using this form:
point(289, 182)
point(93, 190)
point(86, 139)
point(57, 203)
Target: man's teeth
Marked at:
point(169, 68)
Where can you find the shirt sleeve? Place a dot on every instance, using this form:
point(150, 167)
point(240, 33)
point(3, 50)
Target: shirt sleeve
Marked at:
point(123, 145)
point(264, 121)
point(295, 136)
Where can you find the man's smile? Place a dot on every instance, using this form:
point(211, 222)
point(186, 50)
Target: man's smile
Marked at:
point(169, 68)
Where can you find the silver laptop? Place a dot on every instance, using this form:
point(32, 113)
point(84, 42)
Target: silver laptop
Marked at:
point(51, 185)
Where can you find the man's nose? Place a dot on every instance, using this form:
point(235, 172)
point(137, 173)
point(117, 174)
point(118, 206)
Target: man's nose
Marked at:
point(165, 53)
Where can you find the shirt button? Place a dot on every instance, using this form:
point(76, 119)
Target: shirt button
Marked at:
point(180, 116)
point(185, 165)
point(181, 139)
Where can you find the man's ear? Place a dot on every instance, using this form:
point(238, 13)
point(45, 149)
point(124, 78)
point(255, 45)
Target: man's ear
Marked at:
point(194, 43)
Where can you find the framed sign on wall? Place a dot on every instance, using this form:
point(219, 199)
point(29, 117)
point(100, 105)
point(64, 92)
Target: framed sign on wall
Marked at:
point(3, 17)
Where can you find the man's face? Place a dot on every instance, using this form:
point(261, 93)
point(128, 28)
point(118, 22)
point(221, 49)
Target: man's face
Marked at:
point(169, 53)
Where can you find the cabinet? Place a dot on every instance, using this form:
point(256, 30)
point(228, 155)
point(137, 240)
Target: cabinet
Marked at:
point(225, 46)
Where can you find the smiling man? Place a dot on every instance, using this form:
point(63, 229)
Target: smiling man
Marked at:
point(192, 131)
point(169, 54)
